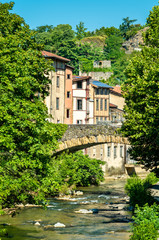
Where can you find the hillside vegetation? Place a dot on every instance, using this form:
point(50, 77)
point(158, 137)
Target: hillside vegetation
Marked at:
point(80, 45)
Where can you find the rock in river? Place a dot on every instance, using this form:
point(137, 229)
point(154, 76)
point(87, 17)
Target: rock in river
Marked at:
point(59, 225)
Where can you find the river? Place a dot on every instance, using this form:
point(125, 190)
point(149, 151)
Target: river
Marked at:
point(107, 224)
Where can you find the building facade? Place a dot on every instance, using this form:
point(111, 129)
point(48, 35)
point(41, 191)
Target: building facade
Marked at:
point(117, 103)
point(100, 94)
point(59, 106)
point(68, 117)
point(82, 104)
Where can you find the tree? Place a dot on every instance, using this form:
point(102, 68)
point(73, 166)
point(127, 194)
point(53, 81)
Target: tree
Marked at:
point(55, 37)
point(141, 92)
point(152, 34)
point(112, 50)
point(128, 29)
point(45, 28)
point(80, 30)
point(108, 31)
point(27, 139)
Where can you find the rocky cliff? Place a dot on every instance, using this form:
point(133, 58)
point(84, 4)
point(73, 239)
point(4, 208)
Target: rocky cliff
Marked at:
point(135, 43)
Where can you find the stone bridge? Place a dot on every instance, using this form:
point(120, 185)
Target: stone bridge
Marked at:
point(82, 136)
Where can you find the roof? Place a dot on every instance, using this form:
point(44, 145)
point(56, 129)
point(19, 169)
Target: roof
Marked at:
point(100, 84)
point(69, 66)
point(52, 55)
point(80, 78)
point(117, 89)
point(111, 105)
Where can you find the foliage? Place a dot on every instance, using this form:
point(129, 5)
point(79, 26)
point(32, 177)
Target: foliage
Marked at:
point(3, 232)
point(128, 29)
point(96, 41)
point(78, 53)
point(108, 31)
point(152, 34)
point(53, 38)
point(79, 169)
point(27, 139)
point(80, 30)
point(112, 50)
point(69, 170)
point(141, 93)
point(138, 189)
point(146, 223)
point(45, 28)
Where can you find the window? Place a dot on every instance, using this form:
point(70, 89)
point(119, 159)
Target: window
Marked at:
point(105, 104)
point(79, 121)
point(79, 84)
point(94, 151)
point(101, 104)
point(97, 104)
point(97, 91)
point(68, 113)
point(57, 103)
point(101, 152)
point(100, 64)
point(58, 81)
point(96, 119)
point(115, 151)
point(79, 104)
point(121, 151)
point(108, 151)
point(68, 94)
point(68, 76)
point(101, 91)
point(61, 64)
point(101, 118)
point(105, 91)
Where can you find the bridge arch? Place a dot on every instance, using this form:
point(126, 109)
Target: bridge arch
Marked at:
point(78, 137)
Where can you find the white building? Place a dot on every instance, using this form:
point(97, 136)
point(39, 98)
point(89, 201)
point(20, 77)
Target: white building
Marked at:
point(82, 103)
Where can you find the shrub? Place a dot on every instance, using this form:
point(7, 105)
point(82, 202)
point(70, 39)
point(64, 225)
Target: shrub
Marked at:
point(79, 169)
point(138, 189)
point(146, 223)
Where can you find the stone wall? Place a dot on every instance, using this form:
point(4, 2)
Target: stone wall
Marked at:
point(97, 75)
point(102, 64)
point(87, 130)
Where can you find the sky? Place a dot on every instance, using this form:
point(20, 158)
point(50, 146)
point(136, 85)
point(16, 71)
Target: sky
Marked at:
point(94, 13)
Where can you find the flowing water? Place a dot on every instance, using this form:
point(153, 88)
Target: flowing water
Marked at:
point(104, 224)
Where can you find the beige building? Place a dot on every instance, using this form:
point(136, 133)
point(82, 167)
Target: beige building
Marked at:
point(61, 78)
point(114, 155)
point(116, 105)
point(100, 92)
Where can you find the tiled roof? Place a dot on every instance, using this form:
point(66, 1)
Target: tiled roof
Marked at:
point(100, 84)
point(112, 105)
point(52, 55)
point(117, 89)
point(80, 78)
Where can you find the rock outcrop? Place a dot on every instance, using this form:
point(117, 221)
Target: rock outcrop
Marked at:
point(134, 43)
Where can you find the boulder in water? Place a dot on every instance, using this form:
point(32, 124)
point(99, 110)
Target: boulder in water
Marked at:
point(84, 211)
point(59, 225)
point(37, 224)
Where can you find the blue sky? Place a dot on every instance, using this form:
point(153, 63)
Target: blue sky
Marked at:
point(93, 13)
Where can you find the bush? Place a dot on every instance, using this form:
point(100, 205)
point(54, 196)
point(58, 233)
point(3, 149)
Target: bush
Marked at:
point(146, 223)
point(79, 169)
point(138, 190)
point(69, 170)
